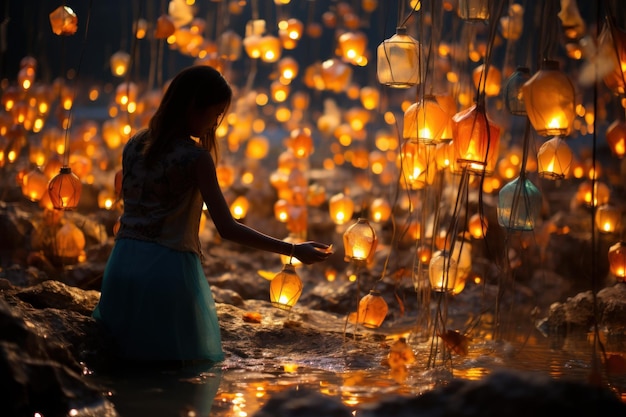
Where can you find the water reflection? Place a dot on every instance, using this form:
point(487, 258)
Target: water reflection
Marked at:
point(235, 389)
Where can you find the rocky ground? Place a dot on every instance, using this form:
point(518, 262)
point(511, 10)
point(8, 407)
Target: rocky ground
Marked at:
point(48, 341)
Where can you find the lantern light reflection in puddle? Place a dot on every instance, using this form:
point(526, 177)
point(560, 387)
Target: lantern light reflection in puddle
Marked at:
point(285, 288)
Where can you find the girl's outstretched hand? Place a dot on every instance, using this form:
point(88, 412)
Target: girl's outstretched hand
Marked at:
point(312, 252)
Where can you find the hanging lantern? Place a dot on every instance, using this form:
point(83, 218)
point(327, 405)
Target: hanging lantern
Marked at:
point(229, 45)
point(425, 121)
point(119, 62)
point(341, 208)
point(70, 242)
point(285, 288)
point(424, 254)
point(65, 190)
point(616, 138)
point(554, 159)
point(34, 185)
point(607, 218)
point(239, 207)
point(477, 226)
point(63, 21)
point(601, 193)
point(473, 10)
point(360, 242)
point(370, 97)
point(399, 61)
point(491, 84)
point(512, 25)
point(336, 75)
point(380, 210)
point(617, 260)
point(519, 204)
point(476, 140)
point(352, 46)
point(300, 142)
point(417, 164)
point(271, 48)
point(513, 95)
point(442, 272)
point(372, 310)
point(549, 97)
point(164, 27)
point(613, 38)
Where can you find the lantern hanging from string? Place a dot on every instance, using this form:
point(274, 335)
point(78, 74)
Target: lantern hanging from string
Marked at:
point(616, 138)
point(617, 260)
point(34, 185)
point(380, 210)
point(360, 242)
point(372, 310)
point(442, 272)
point(476, 140)
point(613, 38)
point(341, 208)
point(593, 195)
point(513, 95)
point(164, 27)
point(69, 243)
point(399, 61)
point(63, 21)
point(425, 121)
point(285, 288)
point(554, 159)
point(65, 189)
point(473, 10)
point(490, 83)
point(549, 97)
point(119, 62)
point(416, 160)
point(477, 226)
point(607, 218)
point(519, 204)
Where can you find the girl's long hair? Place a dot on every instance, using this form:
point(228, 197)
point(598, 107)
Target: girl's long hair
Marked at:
point(194, 88)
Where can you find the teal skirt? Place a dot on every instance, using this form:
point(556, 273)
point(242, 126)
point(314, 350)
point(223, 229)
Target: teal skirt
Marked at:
point(158, 305)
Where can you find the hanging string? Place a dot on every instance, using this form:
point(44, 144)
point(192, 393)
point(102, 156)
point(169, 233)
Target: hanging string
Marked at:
point(80, 61)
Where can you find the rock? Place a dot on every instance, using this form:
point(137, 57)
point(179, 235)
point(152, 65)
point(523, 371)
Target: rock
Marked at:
point(55, 294)
point(503, 393)
point(303, 403)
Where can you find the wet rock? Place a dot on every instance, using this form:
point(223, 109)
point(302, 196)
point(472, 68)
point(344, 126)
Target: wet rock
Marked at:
point(578, 313)
point(303, 403)
point(503, 393)
point(55, 294)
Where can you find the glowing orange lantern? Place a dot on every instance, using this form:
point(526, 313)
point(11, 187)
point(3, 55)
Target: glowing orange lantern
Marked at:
point(360, 242)
point(70, 242)
point(477, 226)
point(554, 159)
point(617, 260)
point(601, 193)
point(372, 310)
point(616, 138)
point(417, 164)
point(352, 46)
point(425, 121)
point(442, 272)
point(607, 218)
point(489, 83)
point(285, 288)
point(335, 75)
point(549, 97)
point(165, 27)
point(380, 210)
point(399, 60)
point(239, 207)
point(341, 208)
point(34, 185)
point(65, 190)
point(63, 21)
point(476, 140)
point(119, 63)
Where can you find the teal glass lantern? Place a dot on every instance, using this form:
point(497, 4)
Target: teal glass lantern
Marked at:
point(519, 204)
point(513, 97)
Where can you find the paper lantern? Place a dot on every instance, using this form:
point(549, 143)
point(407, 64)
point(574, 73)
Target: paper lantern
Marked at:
point(352, 46)
point(285, 288)
point(617, 260)
point(119, 63)
point(341, 208)
point(554, 159)
point(607, 218)
point(417, 164)
point(70, 242)
point(360, 242)
point(489, 83)
point(372, 310)
point(549, 97)
point(164, 27)
point(616, 138)
point(425, 121)
point(477, 226)
point(63, 21)
point(239, 207)
point(519, 204)
point(34, 185)
point(442, 272)
point(380, 210)
point(399, 61)
point(65, 190)
point(300, 142)
point(476, 140)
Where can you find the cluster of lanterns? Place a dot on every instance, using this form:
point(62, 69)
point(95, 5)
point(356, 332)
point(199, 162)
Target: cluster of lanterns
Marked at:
point(437, 137)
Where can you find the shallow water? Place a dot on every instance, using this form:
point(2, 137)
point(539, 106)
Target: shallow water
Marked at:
point(239, 391)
